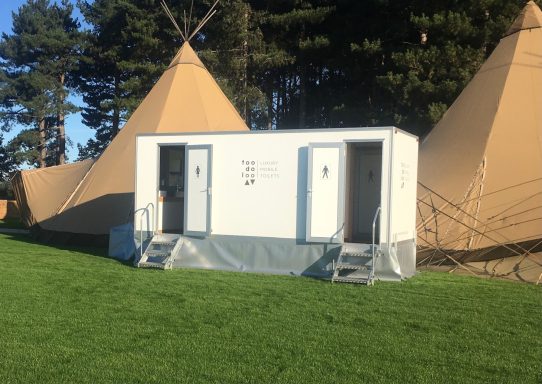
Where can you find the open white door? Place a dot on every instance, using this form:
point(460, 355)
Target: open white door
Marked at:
point(197, 191)
point(325, 193)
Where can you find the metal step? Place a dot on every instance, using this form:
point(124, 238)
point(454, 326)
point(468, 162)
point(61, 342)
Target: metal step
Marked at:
point(343, 266)
point(356, 248)
point(165, 243)
point(357, 280)
point(364, 255)
point(166, 237)
point(149, 264)
point(157, 259)
point(158, 252)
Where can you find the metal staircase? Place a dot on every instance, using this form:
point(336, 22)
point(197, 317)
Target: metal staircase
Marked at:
point(356, 262)
point(155, 250)
point(161, 251)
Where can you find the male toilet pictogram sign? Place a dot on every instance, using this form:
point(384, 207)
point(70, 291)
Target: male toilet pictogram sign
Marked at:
point(324, 172)
point(198, 171)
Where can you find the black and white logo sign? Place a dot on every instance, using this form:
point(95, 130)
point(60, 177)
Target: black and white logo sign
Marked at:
point(259, 170)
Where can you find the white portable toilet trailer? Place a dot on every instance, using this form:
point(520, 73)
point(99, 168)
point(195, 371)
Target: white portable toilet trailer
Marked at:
point(284, 202)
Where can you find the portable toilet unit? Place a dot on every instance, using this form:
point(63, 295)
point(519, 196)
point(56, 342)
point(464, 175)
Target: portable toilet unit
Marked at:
point(337, 203)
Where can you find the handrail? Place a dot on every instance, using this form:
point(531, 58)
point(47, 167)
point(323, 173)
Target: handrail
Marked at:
point(377, 213)
point(149, 222)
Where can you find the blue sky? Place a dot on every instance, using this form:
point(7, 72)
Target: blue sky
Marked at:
point(75, 129)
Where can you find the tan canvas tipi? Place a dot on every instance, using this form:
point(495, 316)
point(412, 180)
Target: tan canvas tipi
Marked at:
point(480, 192)
point(186, 98)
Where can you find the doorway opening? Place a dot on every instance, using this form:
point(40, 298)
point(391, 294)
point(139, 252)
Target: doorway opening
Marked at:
point(171, 184)
point(363, 191)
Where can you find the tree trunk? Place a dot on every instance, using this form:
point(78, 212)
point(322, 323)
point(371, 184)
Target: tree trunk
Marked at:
point(42, 149)
point(302, 82)
point(302, 96)
point(282, 103)
point(270, 101)
point(115, 123)
point(245, 64)
point(61, 138)
point(116, 110)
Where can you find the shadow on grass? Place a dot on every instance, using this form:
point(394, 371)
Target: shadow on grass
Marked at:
point(87, 250)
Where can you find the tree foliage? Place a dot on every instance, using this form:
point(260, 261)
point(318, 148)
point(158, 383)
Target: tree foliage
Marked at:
point(7, 164)
point(127, 52)
point(37, 62)
point(284, 64)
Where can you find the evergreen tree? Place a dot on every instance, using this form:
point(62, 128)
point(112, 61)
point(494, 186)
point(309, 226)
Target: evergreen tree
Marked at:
point(23, 149)
point(232, 48)
point(296, 64)
point(7, 164)
point(130, 45)
point(7, 169)
point(297, 44)
point(37, 61)
point(446, 43)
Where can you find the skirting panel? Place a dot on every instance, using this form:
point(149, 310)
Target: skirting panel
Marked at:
point(282, 256)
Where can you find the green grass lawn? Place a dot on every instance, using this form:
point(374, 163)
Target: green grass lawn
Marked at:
point(11, 223)
point(73, 316)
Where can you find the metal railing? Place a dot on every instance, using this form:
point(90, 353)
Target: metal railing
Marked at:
point(150, 224)
point(377, 213)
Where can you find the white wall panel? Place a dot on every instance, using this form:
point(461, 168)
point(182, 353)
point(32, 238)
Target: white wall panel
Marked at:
point(269, 198)
point(403, 195)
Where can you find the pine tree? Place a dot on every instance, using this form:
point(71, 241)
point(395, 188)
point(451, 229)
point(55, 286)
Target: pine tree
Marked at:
point(231, 45)
point(297, 45)
point(7, 163)
point(446, 43)
point(130, 45)
point(37, 62)
point(308, 63)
